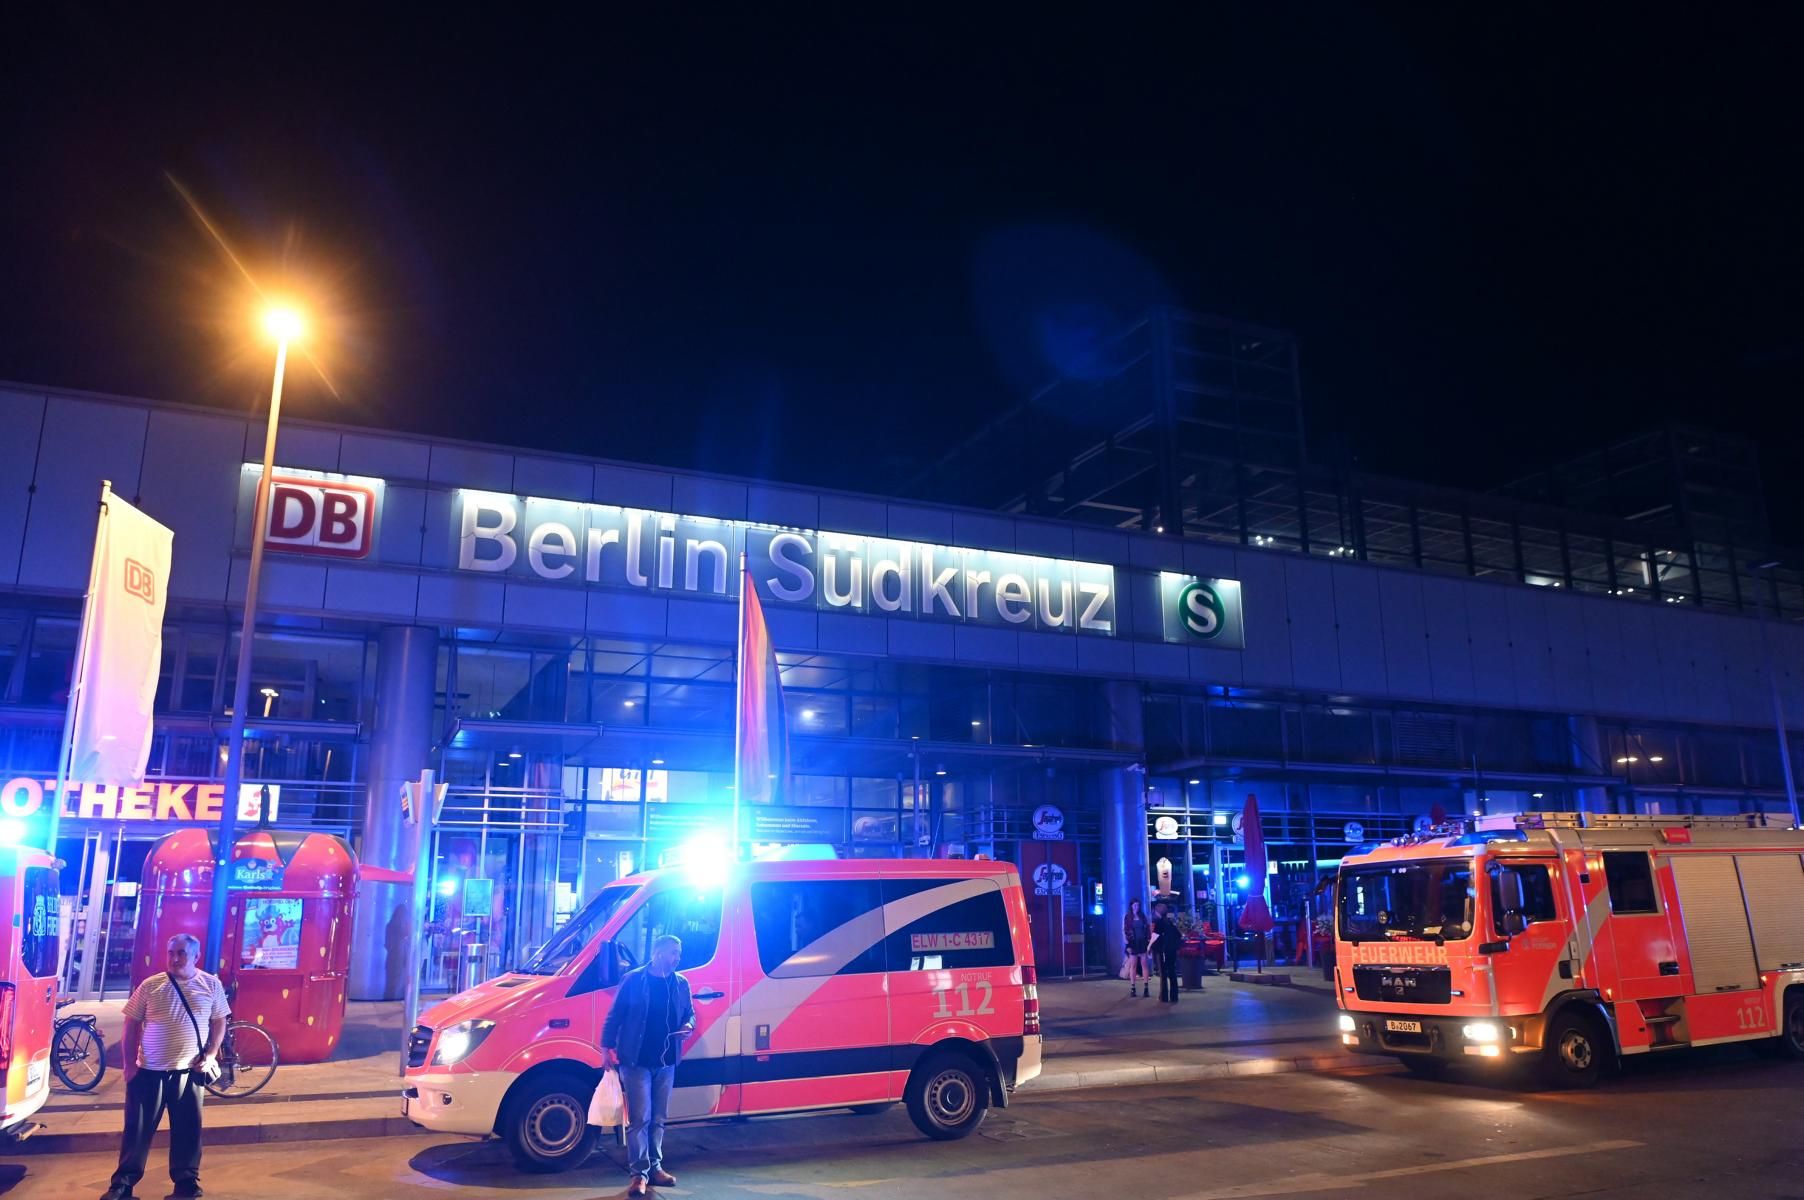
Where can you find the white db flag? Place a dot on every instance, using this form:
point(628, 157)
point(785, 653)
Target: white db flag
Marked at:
point(121, 647)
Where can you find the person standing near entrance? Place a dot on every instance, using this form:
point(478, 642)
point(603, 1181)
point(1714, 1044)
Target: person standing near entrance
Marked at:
point(1166, 940)
point(1136, 934)
point(643, 1037)
point(166, 1056)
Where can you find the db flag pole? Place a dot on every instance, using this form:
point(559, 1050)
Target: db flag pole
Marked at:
point(79, 674)
point(739, 710)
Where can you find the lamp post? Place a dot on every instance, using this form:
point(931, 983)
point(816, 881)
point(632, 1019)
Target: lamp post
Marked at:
point(284, 325)
point(1772, 680)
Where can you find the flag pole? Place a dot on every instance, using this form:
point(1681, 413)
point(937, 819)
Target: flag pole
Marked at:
point(78, 674)
point(739, 709)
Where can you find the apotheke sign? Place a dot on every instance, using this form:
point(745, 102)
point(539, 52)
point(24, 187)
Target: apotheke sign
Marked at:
point(575, 543)
point(25, 797)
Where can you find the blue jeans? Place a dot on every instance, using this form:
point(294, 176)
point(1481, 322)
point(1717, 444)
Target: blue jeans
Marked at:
point(647, 1094)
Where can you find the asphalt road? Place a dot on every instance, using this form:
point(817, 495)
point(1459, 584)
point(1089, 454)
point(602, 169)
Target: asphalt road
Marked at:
point(1721, 1124)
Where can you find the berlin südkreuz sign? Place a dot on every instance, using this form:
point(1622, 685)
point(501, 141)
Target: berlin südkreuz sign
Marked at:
point(604, 546)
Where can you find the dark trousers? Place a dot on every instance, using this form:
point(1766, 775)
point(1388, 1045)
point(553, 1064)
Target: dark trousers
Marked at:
point(147, 1096)
point(1168, 977)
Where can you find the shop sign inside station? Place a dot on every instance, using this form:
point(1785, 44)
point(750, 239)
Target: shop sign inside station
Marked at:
point(1202, 612)
point(601, 545)
point(162, 801)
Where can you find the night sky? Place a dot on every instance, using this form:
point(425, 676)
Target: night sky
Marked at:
point(781, 241)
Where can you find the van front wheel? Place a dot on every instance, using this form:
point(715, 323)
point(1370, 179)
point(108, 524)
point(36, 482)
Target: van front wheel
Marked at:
point(947, 1096)
point(547, 1123)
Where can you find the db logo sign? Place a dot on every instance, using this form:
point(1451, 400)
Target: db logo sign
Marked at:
point(316, 516)
point(140, 581)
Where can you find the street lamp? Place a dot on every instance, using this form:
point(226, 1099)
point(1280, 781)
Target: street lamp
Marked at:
point(284, 325)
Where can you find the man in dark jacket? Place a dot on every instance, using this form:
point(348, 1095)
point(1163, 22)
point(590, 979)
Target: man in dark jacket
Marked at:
point(1167, 937)
point(643, 1036)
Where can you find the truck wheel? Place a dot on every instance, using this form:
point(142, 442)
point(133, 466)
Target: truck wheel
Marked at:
point(1575, 1051)
point(1791, 1025)
point(947, 1096)
point(546, 1123)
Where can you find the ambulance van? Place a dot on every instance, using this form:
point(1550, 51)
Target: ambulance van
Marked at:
point(28, 965)
point(818, 985)
point(1571, 941)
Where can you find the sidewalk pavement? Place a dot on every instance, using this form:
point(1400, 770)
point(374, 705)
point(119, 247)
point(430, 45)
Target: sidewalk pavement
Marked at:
point(1096, 1035)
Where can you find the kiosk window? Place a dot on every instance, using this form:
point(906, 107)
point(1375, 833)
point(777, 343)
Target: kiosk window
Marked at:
point(972, 932)
point(38, 923)
point(1630, 879)
point(792, 919)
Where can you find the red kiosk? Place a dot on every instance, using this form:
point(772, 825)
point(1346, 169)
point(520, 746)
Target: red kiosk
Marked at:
point(288, 927)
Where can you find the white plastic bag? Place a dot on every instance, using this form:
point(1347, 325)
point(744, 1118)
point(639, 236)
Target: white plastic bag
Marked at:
point(1127, 967)
point(606, 1105)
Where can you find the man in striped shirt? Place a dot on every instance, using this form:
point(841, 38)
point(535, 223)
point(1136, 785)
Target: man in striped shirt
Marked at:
point(163, 1047)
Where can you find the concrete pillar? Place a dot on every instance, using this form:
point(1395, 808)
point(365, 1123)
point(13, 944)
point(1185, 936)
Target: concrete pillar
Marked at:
point(382, 942)
point(1124, 871)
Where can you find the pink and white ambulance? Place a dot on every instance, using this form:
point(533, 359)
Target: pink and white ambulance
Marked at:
point(817, 985)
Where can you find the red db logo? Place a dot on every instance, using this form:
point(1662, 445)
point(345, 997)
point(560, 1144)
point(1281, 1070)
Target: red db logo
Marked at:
point(140, 581)
point(313, 516)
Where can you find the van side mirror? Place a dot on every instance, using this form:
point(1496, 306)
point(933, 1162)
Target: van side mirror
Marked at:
point(1514, 923)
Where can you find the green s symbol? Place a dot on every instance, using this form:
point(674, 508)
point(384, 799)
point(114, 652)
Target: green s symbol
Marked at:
point(1201, 610)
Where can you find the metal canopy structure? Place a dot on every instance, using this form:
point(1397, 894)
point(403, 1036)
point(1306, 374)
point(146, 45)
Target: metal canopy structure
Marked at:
point(1192, 426)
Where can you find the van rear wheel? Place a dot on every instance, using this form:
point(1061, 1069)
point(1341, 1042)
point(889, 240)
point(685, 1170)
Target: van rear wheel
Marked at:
point(947, 1096)
point(546, 1123)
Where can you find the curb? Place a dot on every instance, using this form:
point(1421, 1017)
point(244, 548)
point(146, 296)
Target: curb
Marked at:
point(1189, 1072)
point(99, 1141)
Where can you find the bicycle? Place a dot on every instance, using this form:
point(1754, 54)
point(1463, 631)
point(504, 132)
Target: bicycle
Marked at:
point(77, 1051)
point(247, 1061)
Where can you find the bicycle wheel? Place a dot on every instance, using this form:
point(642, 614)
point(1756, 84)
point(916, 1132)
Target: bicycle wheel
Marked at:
point(247, 1061)
point(78, 1056)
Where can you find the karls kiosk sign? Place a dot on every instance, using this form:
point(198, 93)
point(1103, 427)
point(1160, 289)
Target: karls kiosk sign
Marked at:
point(565, 541)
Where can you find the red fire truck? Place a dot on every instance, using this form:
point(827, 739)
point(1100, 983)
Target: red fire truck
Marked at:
point(28, 963)
point(1571, 939)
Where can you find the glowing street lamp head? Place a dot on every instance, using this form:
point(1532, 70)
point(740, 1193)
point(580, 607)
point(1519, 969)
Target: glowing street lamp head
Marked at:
point(283, 324)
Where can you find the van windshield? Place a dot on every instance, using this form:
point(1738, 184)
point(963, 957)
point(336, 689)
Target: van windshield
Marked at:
point(1408, 900)
point(577, 932)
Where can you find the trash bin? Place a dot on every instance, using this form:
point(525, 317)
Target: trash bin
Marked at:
point(1190, 960)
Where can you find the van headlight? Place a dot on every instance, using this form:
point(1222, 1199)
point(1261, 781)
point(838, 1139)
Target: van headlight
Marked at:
point(1346, 1022)
point(457, 1042)
point(1483, 1031)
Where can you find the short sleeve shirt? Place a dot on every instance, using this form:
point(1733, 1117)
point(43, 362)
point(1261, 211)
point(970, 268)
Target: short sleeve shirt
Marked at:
point(169, 1042)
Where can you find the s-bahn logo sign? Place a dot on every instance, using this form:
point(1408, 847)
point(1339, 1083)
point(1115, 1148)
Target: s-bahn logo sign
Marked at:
point(1202, 612)
point(601, 545)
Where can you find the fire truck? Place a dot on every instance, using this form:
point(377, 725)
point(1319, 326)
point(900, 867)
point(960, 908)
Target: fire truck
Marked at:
point(1571, 940)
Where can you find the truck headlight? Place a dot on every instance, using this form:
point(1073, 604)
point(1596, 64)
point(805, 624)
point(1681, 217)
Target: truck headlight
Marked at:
point(457, 1042)
point(1483, 1031)
point(1346, 1022)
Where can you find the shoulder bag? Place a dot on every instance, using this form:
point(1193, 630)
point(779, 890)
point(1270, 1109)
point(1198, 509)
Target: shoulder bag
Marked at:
point(207, 1072)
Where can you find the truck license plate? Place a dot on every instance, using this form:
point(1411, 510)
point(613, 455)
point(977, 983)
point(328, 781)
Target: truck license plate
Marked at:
point(1404, 1026)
